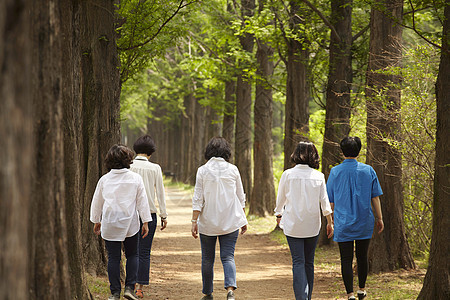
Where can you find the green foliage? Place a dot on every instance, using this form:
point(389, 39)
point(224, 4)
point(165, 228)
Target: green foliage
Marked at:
point(146, 29)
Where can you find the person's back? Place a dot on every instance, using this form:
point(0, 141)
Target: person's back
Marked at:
point(351, 187)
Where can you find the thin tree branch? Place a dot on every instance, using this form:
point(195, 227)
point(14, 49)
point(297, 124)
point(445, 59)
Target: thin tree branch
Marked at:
point(180, 6)
point(360, 33)
point(324, 19)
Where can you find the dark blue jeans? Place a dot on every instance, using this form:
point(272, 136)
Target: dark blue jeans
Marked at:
point(302, 252)
point(145, 248)
point(227, 244)
point(115, 254)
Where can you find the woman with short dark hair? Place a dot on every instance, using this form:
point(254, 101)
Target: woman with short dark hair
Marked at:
point(153, 181)
point(218, 212)
point(301, 194)
point(118, 202)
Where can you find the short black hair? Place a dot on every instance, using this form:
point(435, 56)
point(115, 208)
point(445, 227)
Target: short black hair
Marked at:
point(306, 154)
point(119, 157)
point(218, 147)
point(350, 146)
point(144, 144)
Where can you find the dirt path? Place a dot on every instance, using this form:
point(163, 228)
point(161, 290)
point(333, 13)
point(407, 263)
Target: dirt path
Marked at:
point(263, 266)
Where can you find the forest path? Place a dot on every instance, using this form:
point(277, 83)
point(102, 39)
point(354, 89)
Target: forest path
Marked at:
point(263, 266)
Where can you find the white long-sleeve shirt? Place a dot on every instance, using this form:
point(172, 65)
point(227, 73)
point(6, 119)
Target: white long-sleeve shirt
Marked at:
point(301, 193)
point(220, 198)
point(153, 181)
point(118, 198)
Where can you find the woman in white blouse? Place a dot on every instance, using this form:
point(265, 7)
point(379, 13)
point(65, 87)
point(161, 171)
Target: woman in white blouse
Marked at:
point(301, 193)
point(118, 198)
point(153, 181)
point(218, 212)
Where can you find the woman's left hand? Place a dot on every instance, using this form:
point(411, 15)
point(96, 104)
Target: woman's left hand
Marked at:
point(330, 230)
point(97, 227)
point(243, 229)
point(194, 230)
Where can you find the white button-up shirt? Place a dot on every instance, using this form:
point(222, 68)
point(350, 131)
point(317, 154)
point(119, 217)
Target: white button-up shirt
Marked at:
point(153, 181)
point(118, 198)
point(301, 193)
point(220, 198)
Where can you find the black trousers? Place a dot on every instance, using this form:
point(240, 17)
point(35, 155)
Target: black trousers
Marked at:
point(346, 251)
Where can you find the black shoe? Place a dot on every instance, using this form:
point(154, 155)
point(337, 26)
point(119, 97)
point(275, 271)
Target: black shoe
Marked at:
point(207, 297)
point(361, 294)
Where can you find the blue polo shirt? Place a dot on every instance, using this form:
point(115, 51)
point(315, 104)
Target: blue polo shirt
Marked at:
point(351, 187)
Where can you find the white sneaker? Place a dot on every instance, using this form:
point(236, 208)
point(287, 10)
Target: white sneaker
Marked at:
point(361, 294)
point(129, 294)
point(230, 295)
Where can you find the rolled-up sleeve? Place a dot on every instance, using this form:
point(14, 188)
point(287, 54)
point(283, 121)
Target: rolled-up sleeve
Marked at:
point(159, 186)
point(97, 204)
point(324, 201)
point(142, 203)
point(281, 197)
point(240, 189)
point(198, 199)
point(330, 186)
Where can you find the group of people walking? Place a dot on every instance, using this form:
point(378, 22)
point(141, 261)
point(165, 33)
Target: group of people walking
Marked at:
point(123, 211)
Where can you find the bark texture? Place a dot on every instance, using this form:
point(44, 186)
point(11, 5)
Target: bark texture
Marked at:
point(228, 114)
point(390, 250)
point(262, 199)
point(297, 89)
point(100, 113)
point(337, 116)
point(436, 284)
point(48, 255)
point(17, 144)
point(243, 138)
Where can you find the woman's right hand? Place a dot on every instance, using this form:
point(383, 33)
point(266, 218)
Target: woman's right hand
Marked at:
point(194, 230)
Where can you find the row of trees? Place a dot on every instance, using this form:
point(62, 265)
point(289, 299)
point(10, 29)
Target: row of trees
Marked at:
point(60, 84)
point(250, 56)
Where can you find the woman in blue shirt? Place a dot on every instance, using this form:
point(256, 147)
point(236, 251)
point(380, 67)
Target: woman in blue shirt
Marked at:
point(352, 187)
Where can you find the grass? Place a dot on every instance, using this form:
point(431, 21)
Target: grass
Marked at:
point(98, 286)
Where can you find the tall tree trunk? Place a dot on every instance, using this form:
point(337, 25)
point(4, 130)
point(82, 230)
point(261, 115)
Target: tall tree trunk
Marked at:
point(390, 250)
point(48, 255)
point(337, 116)
point(262, 199)
point(436, 284)
point(72, 124)
point(297, 89)
point(17, 144)
point(101, 108)
point(243, 138)
point(229, 113)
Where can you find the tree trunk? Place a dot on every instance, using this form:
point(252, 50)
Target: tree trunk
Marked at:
point(228, 114)
point(72, 124)
point(390, 250)
point(17, 144)
point(262, 199)
point(297, 90)
point(436, 284)
point(48, 253)
point(101, 107)
point(337, 116)
point(243, 138)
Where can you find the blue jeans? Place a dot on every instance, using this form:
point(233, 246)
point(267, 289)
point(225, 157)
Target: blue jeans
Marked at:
point(114, 249)
point(227, 244)
point(302, 252)
point(145, 247)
